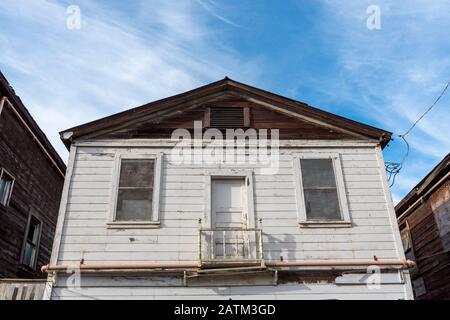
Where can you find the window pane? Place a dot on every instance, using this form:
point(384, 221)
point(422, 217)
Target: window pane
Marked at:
point(136, 173)
point(318, 173)
point(33, 232)
point(2, 190)
point(6, 182)
point(322, 204)
point(406, 240)
point(28, 254)
point(134, 205)
point(409, 254)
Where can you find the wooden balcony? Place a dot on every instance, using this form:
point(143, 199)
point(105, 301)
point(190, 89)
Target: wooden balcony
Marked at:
point(230, 247)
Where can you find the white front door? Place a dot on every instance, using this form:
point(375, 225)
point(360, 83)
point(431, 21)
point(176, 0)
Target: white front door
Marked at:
point(229, 211)
point(228, 203)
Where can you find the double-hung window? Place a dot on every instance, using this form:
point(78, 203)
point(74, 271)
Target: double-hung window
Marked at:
point(6, 187)
point(321, 191)
point(31, 243)
point(136, 192)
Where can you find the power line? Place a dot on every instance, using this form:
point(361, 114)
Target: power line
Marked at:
point(393, 168)
point(428, 110)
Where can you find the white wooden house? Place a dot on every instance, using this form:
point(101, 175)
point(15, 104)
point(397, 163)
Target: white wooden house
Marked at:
point(141, 219)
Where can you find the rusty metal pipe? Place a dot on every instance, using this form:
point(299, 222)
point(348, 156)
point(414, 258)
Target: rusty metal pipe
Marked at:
point(344, 263)
point(141, 266)
point(174, 266)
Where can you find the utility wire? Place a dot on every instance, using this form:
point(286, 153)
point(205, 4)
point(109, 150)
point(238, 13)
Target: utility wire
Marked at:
point(393, 168)
point(428, 110)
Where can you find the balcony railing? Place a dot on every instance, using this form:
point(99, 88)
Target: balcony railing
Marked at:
point(230, 247)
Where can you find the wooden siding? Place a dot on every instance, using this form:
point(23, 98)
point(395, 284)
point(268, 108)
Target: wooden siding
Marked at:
point(19, 289)
point(37, 189)
point(260, 118)
point(182, 204)
point(222, 91)
point(432, 275)
point(348, 286)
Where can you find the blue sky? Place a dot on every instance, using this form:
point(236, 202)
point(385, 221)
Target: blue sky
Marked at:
point(127, 53)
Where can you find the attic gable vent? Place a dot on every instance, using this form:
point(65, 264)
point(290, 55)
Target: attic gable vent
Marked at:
point(227, 117)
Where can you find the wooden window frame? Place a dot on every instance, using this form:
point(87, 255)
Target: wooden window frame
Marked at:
point(155, 219)
point(38, 242)
point(407, 230)
point(3, 172)
point(303, 221)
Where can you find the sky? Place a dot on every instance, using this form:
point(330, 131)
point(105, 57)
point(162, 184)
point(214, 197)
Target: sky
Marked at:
point(127, 53)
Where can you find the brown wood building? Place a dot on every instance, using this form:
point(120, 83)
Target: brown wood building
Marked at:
point(424, 220)
point(31, 180)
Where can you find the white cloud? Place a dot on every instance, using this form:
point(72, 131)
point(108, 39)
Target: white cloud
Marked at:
point(158, 48)
point(211, 8)
point(398, 72)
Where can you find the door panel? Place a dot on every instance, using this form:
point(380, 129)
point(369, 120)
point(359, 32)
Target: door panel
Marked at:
point(228, 203)
point(228, 211)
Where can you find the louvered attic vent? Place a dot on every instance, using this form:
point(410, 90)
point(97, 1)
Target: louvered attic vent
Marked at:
point(231, 117)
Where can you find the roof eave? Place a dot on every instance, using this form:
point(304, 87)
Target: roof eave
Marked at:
point(434, 176)
point(17, 102)
point(71, 134)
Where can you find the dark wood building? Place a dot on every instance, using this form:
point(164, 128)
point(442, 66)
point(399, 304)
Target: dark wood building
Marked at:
point(31, 180)
point(424, 220)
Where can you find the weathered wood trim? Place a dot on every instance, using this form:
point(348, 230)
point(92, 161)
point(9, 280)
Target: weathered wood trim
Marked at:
point(325, 224)
point(393, 221)
point(133, 225)
point(250, 201)
point(8, 197)
point(154, 223)
point(245, 91)
point(156, 116)
point(390, 206)
point(288, 285)
point(43, 144)
point(230, 173)
point(51, 280)
point(207, 219)
point(304, 118)
point(340, 186)
point(157, 186)
point(159, 143)
point(342, 194)
point(63, 205)
point(38, 242)
point(114, 188)
point(157, 110)
point(207, 117)
point(61, 219)
point(205, 92)
point(247, 117)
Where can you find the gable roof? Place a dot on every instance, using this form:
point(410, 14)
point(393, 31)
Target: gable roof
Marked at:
point(7, 91)
point(177, 104)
